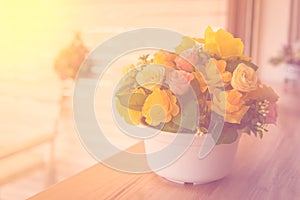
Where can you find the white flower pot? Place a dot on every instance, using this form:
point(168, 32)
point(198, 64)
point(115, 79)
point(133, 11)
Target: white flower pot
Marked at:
point(188, 168)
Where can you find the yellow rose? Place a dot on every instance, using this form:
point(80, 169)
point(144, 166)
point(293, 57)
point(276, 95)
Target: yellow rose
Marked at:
point(235, 107)
point(225, 75)
point(244, 78)
point(150, 76)
point(160, 106)
point(223, 44)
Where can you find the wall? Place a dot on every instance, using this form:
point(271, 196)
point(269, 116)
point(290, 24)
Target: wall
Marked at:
point(273, 33)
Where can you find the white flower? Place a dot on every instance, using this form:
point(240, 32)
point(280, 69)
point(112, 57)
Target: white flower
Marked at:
point(244, 78)
point(150, 76)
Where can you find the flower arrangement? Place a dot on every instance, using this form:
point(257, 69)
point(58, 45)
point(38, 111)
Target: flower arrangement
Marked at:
point(287, 55)
point(150, 90)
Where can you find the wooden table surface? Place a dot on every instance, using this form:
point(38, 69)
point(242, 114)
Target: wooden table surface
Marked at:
point(264, 169)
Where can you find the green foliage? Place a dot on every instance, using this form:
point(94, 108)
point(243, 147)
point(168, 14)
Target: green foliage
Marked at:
point(133, 101)
point(229, 135)
point(203, 59)
point(184, 119)
point(232, 65)
point(263, 93)
point(254, 120)
point(213, 76)
point(170, 127)
point(127, 83)
point(246, 130)
point(124, 112)
point(185, 44)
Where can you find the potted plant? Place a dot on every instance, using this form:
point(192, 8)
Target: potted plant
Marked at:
point(289, 56)
point(205, 93)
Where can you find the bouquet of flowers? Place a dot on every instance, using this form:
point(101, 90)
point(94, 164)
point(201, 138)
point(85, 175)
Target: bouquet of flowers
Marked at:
point(156, 91)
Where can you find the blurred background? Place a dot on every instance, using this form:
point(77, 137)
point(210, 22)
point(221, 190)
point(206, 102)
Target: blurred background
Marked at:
point(42, 44)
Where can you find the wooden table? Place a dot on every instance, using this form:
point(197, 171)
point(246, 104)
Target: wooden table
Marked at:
point(264, 169)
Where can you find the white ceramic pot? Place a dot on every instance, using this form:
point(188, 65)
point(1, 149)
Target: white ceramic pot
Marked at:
point(188, 168)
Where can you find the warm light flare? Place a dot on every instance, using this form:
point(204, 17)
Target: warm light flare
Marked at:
point(31, 32)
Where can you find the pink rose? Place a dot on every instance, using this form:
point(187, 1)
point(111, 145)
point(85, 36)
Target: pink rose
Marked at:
point(178, 81)
point(187, 59)
point(169, 56)
point(271, 117)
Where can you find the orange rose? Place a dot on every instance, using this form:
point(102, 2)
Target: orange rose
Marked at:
point(225, 75)
point(187, 59)
point(164, 58)
point(234, 107)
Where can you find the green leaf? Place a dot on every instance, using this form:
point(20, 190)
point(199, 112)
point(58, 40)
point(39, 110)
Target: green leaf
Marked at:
point(123, 111)
point(246, 130)
point(254, 131)
point(250, 64)
point(133, 101)
point(185, 44)
point(263, 93)
point(127, 83)
point(232, 65)
point(228, 136)
point(213, 76)
point(187, 119)
point(170, 127)
point(260, 134)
